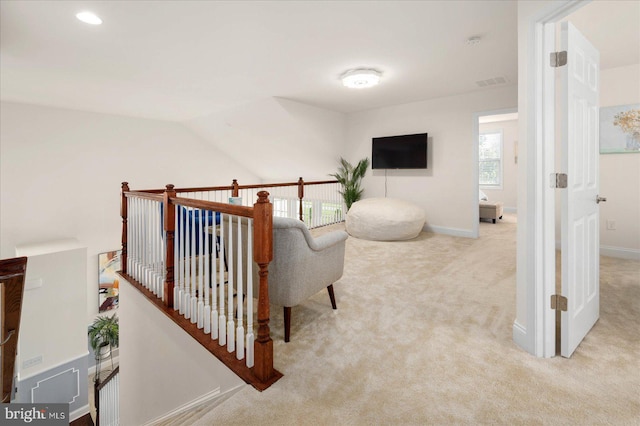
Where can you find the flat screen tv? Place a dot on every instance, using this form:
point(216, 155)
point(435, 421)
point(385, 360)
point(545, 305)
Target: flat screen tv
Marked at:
point(399, 152)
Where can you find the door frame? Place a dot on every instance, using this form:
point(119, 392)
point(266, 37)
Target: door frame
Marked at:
point(537, 336)
point(475, 231)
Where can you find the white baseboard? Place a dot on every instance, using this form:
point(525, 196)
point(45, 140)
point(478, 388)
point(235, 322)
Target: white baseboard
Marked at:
point(520, 336)
point(455, 232)
point(208, 397)
point(76, 414)
point(620, 252)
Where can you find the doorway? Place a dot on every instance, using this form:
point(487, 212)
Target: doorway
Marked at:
point(496, 163)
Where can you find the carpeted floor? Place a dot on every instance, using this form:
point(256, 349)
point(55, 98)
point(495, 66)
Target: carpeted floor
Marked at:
point(422, 335)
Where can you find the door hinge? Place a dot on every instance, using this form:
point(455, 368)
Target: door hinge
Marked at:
point(558, 59)
point(559, 180)
point(559, 302)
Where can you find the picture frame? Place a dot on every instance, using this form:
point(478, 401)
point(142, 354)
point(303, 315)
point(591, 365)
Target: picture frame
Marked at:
point(620, 129)
point(108, 280)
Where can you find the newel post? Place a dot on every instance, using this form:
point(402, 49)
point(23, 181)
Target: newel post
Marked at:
point(169, 227)
point(300, 197)
point(262, 255)
point(123, 214)
point(235, 188)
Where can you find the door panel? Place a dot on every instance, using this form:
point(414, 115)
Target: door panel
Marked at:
point(580, 216)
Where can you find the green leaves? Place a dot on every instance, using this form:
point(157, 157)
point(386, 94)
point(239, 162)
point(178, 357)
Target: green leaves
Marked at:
point(104, 331)
point(350, 178)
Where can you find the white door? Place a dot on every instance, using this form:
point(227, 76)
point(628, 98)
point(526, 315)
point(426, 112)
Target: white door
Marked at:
point(580, 218)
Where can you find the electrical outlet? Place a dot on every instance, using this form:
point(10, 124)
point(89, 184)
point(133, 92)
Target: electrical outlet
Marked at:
point(28, 363)
point(611, 225)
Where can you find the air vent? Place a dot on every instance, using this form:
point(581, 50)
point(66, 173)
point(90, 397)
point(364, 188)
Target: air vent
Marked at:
point(495, 81)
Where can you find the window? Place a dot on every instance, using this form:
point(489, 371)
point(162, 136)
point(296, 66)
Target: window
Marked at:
point(490, 159)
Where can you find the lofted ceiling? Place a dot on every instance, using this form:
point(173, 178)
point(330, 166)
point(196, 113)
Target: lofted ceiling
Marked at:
point(180, 60)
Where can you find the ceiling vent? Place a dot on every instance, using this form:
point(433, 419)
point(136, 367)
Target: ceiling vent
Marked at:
point(495, 81)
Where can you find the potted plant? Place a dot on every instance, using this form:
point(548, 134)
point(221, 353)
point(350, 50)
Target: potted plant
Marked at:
point(350, 178)
point(103, 337)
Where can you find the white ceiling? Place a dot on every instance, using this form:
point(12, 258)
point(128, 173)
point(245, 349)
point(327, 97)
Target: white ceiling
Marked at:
point(178, 60)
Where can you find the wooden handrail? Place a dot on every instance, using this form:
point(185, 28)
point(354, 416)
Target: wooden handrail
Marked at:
point(101, 384)
point(236, 185)
point(212, 205)
point(145, 195)
point(12, 277)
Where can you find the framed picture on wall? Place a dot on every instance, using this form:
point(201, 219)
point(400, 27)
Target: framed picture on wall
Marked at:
point(620, 129)
point(108, 285)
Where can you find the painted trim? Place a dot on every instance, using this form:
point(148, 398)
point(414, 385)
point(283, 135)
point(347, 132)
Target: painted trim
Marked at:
point(538, 264)
point(520, 336)
point(73, 371)
point(620, 252)
point(76, 414)
point(213, 395)
point(455, 232)
point(475, 179)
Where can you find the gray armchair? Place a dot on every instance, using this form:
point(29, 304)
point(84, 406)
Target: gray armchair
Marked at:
point(302, 265)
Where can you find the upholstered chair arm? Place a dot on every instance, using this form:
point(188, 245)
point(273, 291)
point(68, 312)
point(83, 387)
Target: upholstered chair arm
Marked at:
point(328, 240)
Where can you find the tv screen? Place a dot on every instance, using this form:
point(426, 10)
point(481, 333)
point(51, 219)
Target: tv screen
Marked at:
point(399, 152)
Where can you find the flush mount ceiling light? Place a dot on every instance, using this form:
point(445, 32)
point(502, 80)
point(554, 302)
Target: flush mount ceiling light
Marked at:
point(89, 18)
point(361, 78)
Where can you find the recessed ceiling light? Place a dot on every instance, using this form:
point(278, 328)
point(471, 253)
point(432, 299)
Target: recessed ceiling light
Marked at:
point(89, 18)
point(361, 78)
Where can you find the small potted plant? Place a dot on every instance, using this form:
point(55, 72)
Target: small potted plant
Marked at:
point(350, 177)
point(103, 337)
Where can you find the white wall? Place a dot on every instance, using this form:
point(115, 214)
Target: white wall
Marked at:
point(56, 280)
point(620, 173)
point(279, 139)
point(509, 192)
point(60, 175)
point(162, 367)
point(447, 189)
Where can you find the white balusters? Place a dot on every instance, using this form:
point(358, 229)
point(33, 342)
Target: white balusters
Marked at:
point(250, 337)
point(206, 312)
point(217, 263)
point(193, 313)
point(239, 293)
point(186, 296)
point(201, 256)
point(222, 321)
point(230, 323)
point(183, 258)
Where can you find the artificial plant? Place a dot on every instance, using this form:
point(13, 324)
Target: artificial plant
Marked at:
point(350, 178)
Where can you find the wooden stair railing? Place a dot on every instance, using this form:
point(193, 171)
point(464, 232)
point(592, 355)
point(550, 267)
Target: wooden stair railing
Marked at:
point(262, 374)
point(12, 277)
point(112, 401)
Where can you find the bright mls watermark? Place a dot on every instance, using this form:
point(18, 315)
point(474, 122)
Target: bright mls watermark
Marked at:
point(35, 414)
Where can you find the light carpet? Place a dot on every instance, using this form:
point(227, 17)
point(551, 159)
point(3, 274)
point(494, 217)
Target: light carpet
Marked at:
point(423, 335)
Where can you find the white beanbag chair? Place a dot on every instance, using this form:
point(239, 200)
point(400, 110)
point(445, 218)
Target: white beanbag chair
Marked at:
point(385, 219)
